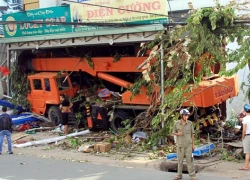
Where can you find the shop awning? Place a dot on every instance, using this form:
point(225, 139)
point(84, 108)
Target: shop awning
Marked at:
point(104, 36)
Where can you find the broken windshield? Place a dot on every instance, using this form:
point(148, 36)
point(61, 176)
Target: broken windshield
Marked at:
point(62, 83)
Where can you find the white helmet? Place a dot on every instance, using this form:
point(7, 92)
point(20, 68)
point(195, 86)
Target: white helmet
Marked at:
point(184, 112)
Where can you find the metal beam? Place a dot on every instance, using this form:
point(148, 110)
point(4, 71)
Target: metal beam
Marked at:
point(83, 41)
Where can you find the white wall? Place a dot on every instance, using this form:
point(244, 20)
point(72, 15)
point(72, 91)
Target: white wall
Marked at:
point(46, 3)
point(183, 4)
point(3, 3)
point(238, 102)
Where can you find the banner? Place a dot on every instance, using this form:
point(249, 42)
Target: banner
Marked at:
point(54, 14)
point(92, 11)
point(118, 11)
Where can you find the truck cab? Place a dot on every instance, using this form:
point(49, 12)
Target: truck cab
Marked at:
point(45, 89)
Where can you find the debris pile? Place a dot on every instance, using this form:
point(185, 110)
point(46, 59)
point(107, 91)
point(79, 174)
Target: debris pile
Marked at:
point(28, 124)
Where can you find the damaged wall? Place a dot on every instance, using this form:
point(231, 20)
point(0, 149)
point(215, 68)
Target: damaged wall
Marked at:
point(238, 102)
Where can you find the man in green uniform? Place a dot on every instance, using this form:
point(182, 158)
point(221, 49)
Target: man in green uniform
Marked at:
point(184, 132)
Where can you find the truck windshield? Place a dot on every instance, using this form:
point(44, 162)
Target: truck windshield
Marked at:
point(62, 84)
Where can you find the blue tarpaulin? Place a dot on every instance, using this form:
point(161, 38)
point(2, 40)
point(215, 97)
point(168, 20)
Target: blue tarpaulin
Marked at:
point(23, 118)
point(19, 119)
point(9, 105)
point(199, 151)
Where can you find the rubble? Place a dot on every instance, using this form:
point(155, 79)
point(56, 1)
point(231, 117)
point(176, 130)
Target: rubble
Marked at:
point(139, 136)
point(102, 147)
point(237, 144)
point(18, 136)
point(22, 141)
point(104, 143)
point(128, 139)
point(235, 150)
point(85, 148)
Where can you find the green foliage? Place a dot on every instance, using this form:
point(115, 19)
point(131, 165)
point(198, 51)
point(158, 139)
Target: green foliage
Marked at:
point(230, 155)
point(213, 17)
point(19, 87)
point(112, 139)
point(89, 60)
point(59, 74)
point(79, 97)
point(79, 118)
point(74, 142)
point(127, 125)
point(161, 132)
point(201, 42)
point(117, 57)
point(136, 88)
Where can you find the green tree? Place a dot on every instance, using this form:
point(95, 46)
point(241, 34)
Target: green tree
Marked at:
point(201, 41)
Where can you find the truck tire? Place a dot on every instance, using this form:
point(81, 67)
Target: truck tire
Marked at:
point(116, 121)
point(54, 114)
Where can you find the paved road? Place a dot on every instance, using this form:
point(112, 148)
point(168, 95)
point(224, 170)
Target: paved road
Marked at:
point(20, 167)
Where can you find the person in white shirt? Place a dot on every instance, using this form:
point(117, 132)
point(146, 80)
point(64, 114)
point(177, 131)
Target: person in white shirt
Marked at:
point(246, 136)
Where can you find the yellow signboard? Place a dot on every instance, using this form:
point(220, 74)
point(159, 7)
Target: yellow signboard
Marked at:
point(120, 11)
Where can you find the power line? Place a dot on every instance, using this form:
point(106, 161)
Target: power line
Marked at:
point(127, 24)
point(170, 8)
point(119, 24)
point(70, 23)
point(142, 12)
point(73, 23)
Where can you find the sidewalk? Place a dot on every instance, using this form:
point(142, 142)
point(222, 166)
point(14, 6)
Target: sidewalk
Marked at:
point(123, 159)
point(221, 169)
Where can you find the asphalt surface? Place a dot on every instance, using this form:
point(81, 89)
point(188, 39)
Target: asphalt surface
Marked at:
point(20, 167)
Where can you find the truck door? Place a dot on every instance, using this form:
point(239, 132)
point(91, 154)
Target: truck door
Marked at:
point(51, 94)
point(65, 86)
point(38, 96)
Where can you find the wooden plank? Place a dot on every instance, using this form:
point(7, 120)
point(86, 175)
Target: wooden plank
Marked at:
point(18, 136)
point(41, 129)
point(235, 144)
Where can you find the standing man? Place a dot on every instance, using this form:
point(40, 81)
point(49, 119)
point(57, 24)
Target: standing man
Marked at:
point(65, 109)
point(246, 136)
point(184, 131)
point(5, 130)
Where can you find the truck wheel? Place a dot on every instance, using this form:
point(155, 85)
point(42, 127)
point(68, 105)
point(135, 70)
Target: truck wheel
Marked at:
point(54, 114)
point(118, 118)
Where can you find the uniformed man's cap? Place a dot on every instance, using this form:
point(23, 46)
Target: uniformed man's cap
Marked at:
point(184, 112)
